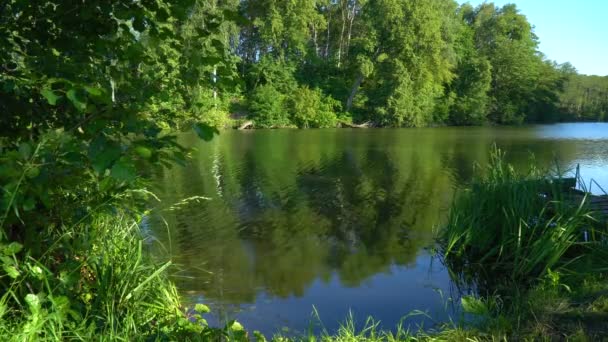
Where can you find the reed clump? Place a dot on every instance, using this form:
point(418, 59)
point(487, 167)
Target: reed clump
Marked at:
point(514, 226)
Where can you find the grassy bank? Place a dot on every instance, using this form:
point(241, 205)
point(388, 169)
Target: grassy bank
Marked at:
point(94, 282)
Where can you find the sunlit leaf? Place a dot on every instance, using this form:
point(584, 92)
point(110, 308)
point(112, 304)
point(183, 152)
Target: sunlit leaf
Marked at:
point(50, 96)
point(72, 95)
point(12, 248)
point(202, 308)
point(11, 271)
point(143, 152)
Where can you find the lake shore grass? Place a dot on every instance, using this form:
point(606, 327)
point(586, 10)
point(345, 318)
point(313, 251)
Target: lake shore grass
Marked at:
point(95, 281)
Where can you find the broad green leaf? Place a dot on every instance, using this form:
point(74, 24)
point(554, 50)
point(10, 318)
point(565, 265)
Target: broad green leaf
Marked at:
point(205, 131)
point(103, 153)
point(11, 271)
point(72, 95)
point(12, 248)
point(143, 152)
point(93, 91)
point(123, 170)
point(236, 326)
point(202, 308)
point(50, 96)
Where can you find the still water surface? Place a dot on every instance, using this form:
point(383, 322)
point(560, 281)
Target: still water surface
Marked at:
point(335, 220)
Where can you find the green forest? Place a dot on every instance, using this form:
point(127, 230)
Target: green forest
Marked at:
point(93, 94)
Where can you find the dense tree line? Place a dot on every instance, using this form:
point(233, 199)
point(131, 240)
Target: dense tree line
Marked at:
point(585, 98)
point(315, 63)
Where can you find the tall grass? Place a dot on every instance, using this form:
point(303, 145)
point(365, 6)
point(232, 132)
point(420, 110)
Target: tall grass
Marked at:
point(513, 225)
point(95, 282)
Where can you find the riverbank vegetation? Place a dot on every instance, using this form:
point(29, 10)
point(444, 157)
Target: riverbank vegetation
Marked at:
point(533, 252)
point(92, 93)
point(88, 94)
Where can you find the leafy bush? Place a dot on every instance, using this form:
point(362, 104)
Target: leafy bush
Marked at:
point(267, 105)
point(82, 121)
point(311, 109)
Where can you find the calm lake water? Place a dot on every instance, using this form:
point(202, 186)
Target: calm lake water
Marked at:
point(335, 221)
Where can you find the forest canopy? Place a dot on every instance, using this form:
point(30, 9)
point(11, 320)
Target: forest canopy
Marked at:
point(400, 64)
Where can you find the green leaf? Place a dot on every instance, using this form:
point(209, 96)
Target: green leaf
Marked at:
point(143, 152)
point(103, 154)
point(236, 326)
point(123, 170)
point(202, 308)
point(33, 301)
point(11, 271)
point(72, 95)
point(50, 96)
point(25, 150)
point(12, 248)
point(32, 172)
point(93, 91)
point(205, 131)
point(474, 306)
point(29, 204)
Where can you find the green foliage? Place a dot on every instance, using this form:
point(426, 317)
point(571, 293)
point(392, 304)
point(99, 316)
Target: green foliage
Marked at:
point(88, 93)
point(512, 227)
point(94, 280)
point(311, 109)
point(268, 107)
point(405, 63)
point(467, 95)
point(585, 98)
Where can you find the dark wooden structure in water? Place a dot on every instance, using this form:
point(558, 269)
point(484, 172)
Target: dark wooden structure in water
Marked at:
point(578, 191)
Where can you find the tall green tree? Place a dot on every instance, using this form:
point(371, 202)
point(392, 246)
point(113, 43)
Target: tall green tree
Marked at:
point(403, 60)
point(466, 96)
point(505, 37)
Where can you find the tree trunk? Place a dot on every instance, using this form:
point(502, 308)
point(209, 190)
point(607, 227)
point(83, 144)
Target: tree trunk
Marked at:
point(357, 84)
point(314, 35)
point(353, 91)
point(344, 15)
point(328, 35)
point(350, 26)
